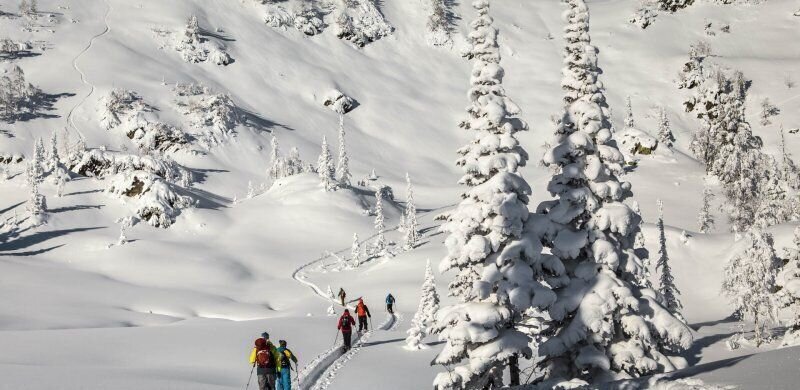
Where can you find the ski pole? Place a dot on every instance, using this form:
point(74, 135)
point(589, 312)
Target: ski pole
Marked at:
point(335, 339)
point(250, 377)
point(297, 375)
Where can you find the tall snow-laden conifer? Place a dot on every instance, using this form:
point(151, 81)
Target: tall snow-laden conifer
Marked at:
point(789, 282)
point(499, 270)
point(355, 251)
point(629, 121)
point(749, 281)
point(789, 171)
point(343, 175)
point(410, 224)
point(705, 218)
point(275, 160)
point(325, 168)
point(606, 322)
point(665, 136)
point(666, 286)
point(380, 246)
point(37, 203)
point(426, 311)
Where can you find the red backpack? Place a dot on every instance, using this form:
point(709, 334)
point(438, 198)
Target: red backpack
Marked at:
point(264, 356)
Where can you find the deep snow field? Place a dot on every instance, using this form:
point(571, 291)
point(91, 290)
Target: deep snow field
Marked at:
point(179, 308)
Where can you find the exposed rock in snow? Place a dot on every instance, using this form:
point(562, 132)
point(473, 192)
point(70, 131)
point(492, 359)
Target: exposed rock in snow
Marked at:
point(337, 101)
point(635, 141)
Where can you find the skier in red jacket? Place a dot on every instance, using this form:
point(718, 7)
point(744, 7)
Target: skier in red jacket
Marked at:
point(345, 325)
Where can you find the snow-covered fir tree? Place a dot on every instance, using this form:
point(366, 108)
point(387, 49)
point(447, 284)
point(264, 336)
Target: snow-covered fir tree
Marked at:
point(343, 175)
point(705, 218)
point(53, 157)
point(669, 292)
point(768, 110)
point(274, 171)
point(774, 204)
point(355, 251)
point(579, 77)
point(749, 281)
point(606, 324)
point(629, 121)
point(380, 245)
point(728, 147)
point(674, 5)
point(788, 280)
point(426, 311)
point(665, 136)
point(37, 204)
point(329, 293)
point(438, 26)
point(499, 270)
point(789, 170)
point(694, 73)
point(325, 168)
point(410, 224)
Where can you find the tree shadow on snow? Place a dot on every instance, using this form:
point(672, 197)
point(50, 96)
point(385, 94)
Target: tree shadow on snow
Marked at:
point(694, 353)
point(77, 208)
point(33, 252)
point(40, 237)
point(215, 35)
point(208, 200)
point(9, 208)
point(39, 106)
point(18, 55)
point(383, 342)
point(259, 123)
point(727, 320)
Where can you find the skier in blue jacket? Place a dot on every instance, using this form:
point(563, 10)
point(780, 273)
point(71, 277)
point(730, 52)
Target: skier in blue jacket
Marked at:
point(390, 303)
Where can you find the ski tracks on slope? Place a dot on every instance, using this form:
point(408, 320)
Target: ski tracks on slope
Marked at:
point(319, 373)
point(70, 116)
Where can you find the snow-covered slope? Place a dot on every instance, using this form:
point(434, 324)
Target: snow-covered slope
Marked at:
point(179, 307)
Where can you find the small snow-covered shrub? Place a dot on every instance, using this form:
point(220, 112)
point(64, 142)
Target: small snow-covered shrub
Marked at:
point(278, 17)
point(308, 20)
point(360, 22)
point(194, 48)
point(18, 97)
point(100, 163)
point(337, 101)
point(645, 15)
point(214, 113)
point(118, 104)
point(126, 111)
point(155, 201)
point(156, 136)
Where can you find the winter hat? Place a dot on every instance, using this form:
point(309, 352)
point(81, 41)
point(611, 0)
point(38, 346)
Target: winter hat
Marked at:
point(265, 335)
point(282, 343)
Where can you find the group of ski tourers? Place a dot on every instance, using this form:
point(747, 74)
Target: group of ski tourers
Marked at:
point(273, 365)
point(346, 321)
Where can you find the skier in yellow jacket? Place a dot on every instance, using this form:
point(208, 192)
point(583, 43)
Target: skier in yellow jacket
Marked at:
point(265, 358)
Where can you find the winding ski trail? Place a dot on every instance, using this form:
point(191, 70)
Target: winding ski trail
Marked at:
point(70, 115)
point(319, 373)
